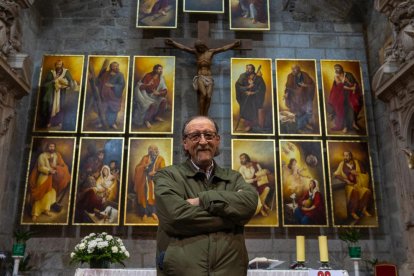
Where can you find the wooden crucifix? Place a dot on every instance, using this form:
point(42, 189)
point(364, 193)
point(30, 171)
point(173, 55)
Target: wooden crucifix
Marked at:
point(203, 81)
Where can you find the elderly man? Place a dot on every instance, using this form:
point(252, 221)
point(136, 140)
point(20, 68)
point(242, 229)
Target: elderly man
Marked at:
point(144, 184)
point(202, 209)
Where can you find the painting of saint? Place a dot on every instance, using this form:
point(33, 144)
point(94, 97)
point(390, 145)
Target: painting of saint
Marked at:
point(255, 160)
point(58, 96)
point(146, 157)
point(99, 178)
point(351, 184)
point(249, 15)
point(303, 183)
point(49, 181)
point(153, 96)
point(104, 107)
point(204, 6)
point(343, 94)
point(252, 97)
point(297, 97)
point(160, 14)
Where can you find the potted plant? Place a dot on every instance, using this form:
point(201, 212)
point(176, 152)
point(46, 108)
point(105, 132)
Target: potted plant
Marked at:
point(20, 237)
point(351, 236)
point(99, 250)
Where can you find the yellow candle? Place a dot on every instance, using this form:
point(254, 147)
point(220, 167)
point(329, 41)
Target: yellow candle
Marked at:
point(323, 249)
point(300, 248)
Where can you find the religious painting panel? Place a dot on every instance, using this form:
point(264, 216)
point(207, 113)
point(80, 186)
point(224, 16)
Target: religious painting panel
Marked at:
point(105, 96)
point(99, 178)
point(351, 184)
point(152, 99)
point(58, 95)
point(49, 181)
point(255, 160)
point(160, 14)
point(252, 97)
point(302, 176)
point(146, 156)
point(249, 15)
point(297, 97)
point(204, 6)
point(343, 97)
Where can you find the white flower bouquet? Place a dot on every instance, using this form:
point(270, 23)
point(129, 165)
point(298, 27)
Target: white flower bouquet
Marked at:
point(99, 250)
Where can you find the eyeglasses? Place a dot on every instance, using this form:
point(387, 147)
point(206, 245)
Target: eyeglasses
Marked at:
point(196, 136)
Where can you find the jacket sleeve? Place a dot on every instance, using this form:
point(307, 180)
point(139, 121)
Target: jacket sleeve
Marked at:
point(178, 217)
point(237, 205)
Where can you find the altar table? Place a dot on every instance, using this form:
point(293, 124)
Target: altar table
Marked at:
point(152, 272)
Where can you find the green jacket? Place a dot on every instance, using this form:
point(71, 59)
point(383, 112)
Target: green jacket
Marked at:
point(203, 240)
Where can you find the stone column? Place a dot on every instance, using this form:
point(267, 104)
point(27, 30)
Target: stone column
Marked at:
point(393, 83)
point(15, 73)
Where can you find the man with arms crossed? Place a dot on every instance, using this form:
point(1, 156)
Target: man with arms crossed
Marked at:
point(202, 209)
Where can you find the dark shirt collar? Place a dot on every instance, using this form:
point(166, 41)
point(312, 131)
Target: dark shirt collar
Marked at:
point(217, 171)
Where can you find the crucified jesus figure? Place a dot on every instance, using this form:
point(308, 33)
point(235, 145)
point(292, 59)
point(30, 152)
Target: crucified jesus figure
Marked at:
point(203, 82)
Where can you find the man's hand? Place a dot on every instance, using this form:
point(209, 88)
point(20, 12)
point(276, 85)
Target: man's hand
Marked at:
point(109, 84)
point(169, 42)
point(237, 43)
point(194, 201)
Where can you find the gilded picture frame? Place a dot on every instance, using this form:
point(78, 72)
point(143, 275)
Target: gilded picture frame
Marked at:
point(152, 97)
point(302, 178)
point(252, 106)
point(105, 94)
point(49, 181)
point(297, 97)
point(98, 185)
point(351, 184)
point(203, 6)
point(255, 159)
point(343, 98)
point(58, 94)
point(157, 14)
point(145, 157)
point(244, 16)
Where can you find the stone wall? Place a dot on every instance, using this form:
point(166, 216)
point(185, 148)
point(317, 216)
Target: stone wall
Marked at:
point(97, 27)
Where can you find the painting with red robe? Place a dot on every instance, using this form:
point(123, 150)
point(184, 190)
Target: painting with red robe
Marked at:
point(105, 94)
point(152, 99)
point(252, 107)
point(204, 6)
point(351, 184)
point(159, 14)
point(343, 97)
point(302, 177)
point(58, 95)
point(146, 156)
point(297, 97)
point(49, 181)
point(249, 15)
point(255, 160)
point(98, 185)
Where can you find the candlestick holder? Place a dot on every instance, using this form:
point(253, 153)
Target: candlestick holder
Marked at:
point(298, 266)
point(325, 266)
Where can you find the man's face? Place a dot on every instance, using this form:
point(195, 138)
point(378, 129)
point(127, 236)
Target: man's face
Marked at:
point(203, 151)
point(58, 65)
point(115, 67)
point(347, 156)
point(112, 165)
point(243, 160)
point(249, 69)
point(153, 151)
point(338, 71)
point(295, 70)
point(159, 70)
point(51, 148)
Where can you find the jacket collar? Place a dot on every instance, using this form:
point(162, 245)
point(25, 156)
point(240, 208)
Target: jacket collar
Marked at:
point(190, 171)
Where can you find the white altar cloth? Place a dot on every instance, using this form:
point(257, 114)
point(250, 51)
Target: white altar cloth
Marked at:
point(152, 272)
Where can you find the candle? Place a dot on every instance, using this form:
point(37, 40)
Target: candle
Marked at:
point(300, 248)
point(323, 249)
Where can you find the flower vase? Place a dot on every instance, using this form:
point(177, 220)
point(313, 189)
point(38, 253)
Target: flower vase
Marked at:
point(99, 263)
